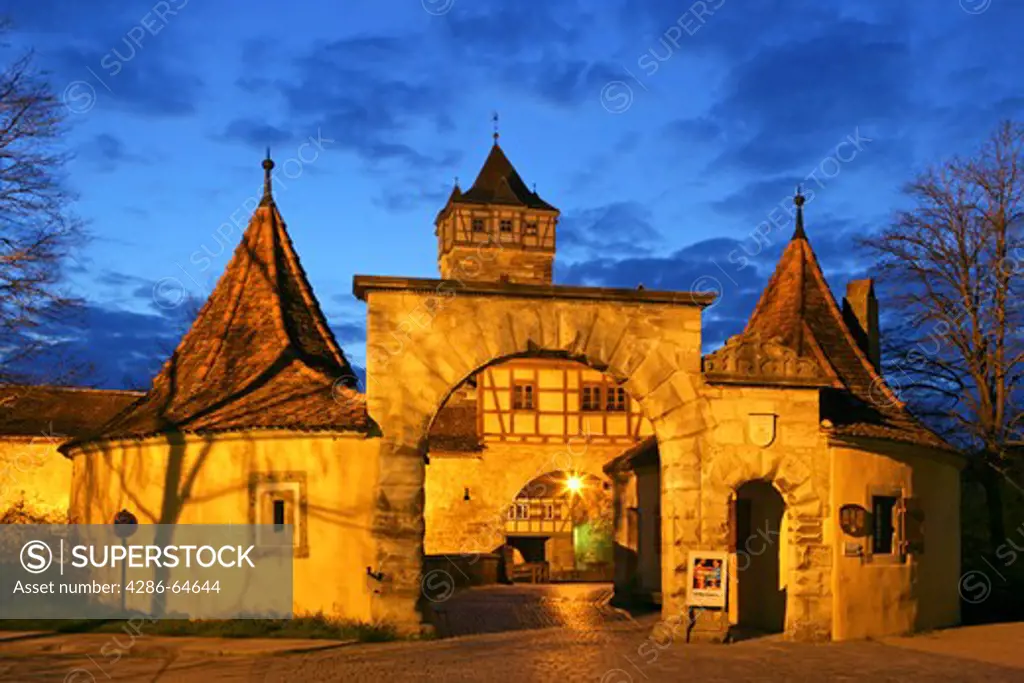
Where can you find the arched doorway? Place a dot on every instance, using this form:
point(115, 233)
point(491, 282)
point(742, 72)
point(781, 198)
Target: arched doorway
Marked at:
point(560, 525)
point(760, 570)
point(425, 338)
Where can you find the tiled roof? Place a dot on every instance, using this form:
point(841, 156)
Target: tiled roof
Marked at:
point(455, 428)
point(49, 411)
point(642, 454)
point(258, 356)
point(798, 309)
point(499, 183)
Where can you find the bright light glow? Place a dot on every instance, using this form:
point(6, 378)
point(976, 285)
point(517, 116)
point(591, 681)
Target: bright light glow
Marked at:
point(574, 484)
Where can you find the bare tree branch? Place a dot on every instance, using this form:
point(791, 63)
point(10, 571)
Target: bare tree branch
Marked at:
point(37, 228)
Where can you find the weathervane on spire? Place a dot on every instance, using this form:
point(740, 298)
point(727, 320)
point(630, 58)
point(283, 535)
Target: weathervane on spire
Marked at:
point(798, 201)
point(268, 166)
point(494, 118)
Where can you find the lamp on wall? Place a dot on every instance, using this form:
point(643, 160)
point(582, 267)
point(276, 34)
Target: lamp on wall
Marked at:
point(465, 496)
point(574, 484)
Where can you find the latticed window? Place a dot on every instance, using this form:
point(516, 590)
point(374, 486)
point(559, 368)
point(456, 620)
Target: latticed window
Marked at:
point(590, 397)
point(478, 225)
point(530, 228)
point(519, 511)
point(882, 509)
point(523, 396)
point(616, 399)
point(505, 226)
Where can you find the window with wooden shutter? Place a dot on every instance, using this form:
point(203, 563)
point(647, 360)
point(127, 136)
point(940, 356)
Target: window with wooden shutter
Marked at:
point(912, 533)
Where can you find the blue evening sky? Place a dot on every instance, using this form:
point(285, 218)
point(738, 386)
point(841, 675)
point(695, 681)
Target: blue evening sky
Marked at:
point(666, 131)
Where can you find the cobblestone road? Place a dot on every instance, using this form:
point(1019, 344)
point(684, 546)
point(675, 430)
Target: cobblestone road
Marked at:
point(577, 607)
point(584, 641)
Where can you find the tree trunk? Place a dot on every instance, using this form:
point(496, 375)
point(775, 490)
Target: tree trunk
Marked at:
point(993, 483)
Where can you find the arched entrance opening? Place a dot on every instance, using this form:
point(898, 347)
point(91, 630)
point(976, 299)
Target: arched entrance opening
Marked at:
point(512, 453)
point(560, 527)
point(761, 574)
point(425, 338)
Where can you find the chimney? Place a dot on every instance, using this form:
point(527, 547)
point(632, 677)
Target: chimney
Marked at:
point(860, 311)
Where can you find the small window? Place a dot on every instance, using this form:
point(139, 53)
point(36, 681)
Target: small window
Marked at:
point(590, 398)
point(277, 504)
point(522, 396)
point(616, 399)
point(530, 228)
point(549, 511)
point(519, 511)
point(884, 531)
point(505, 226)
point(279, 515)
point(478, 225)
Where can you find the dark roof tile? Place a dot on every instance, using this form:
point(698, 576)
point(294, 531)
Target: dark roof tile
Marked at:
point(499, 183)
point(258, 356)
point(50, 411)
point(797, 308)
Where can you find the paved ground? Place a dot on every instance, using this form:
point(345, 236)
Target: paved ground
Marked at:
point(494, 609)
point(584, 641)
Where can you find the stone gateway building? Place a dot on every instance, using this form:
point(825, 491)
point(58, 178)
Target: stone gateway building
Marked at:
point(578, 431)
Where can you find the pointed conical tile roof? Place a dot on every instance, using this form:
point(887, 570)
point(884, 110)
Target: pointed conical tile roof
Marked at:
point(499, 183)
point(798, 312)
point(258, 356)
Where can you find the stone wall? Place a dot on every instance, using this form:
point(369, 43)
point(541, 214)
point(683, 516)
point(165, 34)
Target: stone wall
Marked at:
point(422, 344)
point(796, 463)
point(516, 265)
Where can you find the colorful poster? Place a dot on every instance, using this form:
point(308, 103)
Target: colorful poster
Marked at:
point(708, 578)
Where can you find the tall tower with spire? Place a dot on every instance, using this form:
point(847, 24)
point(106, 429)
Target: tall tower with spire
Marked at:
point(497, 230)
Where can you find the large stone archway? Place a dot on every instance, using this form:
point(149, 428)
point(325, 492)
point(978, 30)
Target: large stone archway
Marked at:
point(424, 337)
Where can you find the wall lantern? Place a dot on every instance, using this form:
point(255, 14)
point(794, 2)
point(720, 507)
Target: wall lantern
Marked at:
point(853, 520)
point(465, 496)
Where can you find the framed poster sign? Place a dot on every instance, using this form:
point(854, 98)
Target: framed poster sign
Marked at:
point(708, 578)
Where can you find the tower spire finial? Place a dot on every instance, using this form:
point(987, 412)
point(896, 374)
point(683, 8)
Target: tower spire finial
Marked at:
point(268, 166)
point(494, 118)
point(798, 201)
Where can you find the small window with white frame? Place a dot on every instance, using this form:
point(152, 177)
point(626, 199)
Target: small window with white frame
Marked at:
point(277, 504)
